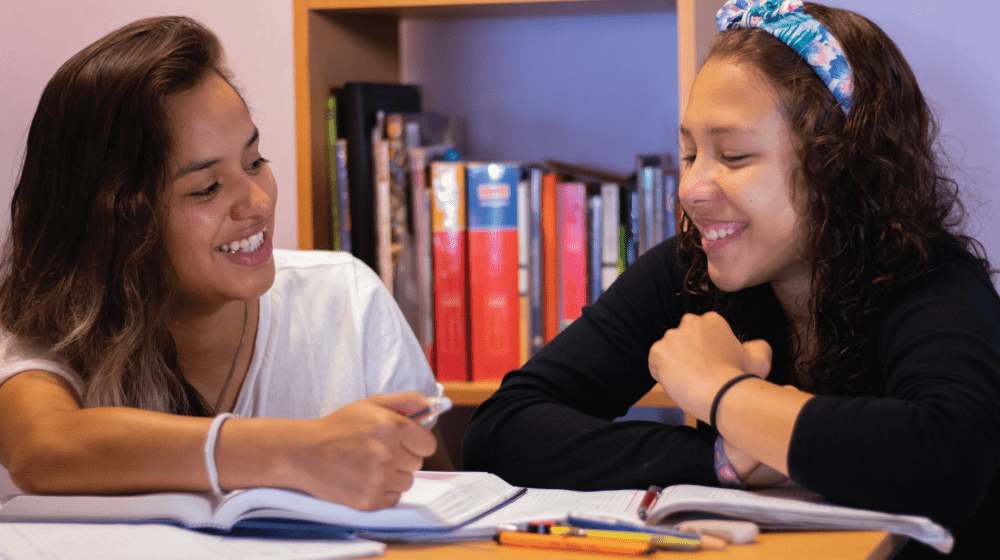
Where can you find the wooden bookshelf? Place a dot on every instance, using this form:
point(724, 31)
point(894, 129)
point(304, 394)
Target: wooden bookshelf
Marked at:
point(339, 41)
point(473, 393)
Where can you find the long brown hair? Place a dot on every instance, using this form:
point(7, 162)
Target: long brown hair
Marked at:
point(877, 192)
point(86, 272)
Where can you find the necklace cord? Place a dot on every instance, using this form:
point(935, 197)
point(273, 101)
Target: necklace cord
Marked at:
point(232, 367)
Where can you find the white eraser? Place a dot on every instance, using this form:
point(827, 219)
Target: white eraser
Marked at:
point(733, 532)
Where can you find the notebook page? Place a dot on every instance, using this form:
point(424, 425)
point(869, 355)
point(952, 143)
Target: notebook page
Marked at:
point(537, 505)
point(58, 541)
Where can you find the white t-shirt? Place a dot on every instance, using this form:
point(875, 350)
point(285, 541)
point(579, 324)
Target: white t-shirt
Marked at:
point(328, 334)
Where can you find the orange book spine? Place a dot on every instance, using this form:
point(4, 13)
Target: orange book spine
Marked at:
point(450, 265)
point(550, 249)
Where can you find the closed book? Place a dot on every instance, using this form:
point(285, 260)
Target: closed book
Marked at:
point(383, 214)
point(450, 270)
point(671, 197)
point(523, 260)
point(332, 177)
point(572, 251)
point(493, 268)
point(630, 227)
point(536, 322)
point(343, 197)
point(357, 106)
point(610, 233)
point(595, 229)
point(550, 255)
point(420, 201)
point(649, 194)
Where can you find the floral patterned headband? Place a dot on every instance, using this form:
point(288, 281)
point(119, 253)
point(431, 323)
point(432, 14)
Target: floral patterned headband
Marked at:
point(786, 20)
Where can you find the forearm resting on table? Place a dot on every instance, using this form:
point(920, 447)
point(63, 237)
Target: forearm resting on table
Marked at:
point(758, 418)
point(50, 445)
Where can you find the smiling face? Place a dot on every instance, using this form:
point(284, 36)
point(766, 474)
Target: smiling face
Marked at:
point(736, 181)
point(222, 194)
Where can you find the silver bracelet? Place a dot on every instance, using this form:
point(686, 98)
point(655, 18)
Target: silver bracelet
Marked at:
point(213, 435)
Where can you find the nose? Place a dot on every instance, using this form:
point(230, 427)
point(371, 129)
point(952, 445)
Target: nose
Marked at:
point(698, 185)
point(255, 200)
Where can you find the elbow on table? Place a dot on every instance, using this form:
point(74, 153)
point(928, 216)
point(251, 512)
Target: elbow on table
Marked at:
point(41, 467)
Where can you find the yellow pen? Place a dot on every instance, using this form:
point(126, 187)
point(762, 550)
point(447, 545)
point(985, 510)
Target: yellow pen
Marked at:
point(665, 542)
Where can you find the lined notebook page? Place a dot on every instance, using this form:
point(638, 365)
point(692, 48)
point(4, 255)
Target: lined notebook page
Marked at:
point(58, 541)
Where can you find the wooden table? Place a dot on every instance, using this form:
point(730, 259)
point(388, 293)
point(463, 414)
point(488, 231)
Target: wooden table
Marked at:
point(846, 545)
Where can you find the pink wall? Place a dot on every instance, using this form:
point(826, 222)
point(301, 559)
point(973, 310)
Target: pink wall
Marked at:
point(37, 37)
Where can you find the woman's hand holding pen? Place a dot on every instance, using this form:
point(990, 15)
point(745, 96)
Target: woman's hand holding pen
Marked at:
point(693, 361)
point(364, 454)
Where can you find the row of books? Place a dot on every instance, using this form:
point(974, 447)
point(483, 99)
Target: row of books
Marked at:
point(488, 260)
point(518, 251)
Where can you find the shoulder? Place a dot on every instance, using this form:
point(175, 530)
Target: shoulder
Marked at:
point(955, 294)
point(954, 275)
point(332, 269)
point(324, 279)
point(18, 355)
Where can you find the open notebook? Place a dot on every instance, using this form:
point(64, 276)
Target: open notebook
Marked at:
point(448, 506)
point(437, 501)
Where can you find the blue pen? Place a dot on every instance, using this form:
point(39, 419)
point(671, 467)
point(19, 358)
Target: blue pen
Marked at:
point(587, 521)
point(427, 415)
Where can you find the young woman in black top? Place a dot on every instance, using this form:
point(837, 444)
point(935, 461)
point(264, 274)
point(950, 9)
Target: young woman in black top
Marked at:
point(821, 314)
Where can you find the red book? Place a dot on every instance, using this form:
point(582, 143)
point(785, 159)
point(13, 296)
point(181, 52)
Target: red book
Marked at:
point(550, 251)
point(494, 299)
point(451, 310)
point(572, 227)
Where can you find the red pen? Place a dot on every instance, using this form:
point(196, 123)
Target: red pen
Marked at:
point(647, 501)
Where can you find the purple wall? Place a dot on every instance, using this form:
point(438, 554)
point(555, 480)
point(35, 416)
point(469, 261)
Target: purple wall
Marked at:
point(587, 90)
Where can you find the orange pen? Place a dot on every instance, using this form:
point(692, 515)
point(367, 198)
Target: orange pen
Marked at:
point(579, 544)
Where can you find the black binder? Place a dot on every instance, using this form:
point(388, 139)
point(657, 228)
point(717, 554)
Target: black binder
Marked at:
point(357, 105)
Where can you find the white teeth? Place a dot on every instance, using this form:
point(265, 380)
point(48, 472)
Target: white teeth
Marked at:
point(716, 234)
point(248, 245)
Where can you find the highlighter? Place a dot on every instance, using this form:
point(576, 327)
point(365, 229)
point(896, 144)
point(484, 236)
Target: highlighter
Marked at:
point(579, 544)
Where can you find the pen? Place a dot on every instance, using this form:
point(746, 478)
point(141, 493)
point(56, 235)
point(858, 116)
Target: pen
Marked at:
point(428, 414)
point(588, 521)
point(648, 500)
point(665, 542)
point(579, 544)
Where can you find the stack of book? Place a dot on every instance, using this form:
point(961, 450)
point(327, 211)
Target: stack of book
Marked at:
point(488, 260)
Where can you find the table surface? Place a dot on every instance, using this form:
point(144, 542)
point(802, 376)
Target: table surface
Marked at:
point(868, 545)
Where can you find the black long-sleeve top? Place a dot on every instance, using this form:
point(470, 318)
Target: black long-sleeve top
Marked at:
point(928, 444)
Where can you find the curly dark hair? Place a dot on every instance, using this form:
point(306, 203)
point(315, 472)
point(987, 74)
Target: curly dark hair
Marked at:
point(876, 189)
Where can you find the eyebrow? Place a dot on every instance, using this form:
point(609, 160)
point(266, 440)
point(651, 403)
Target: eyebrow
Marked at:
point(206, 163)
point(720, 130)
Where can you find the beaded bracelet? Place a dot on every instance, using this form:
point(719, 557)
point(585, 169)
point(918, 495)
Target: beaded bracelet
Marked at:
point(724, 470)
point(213, 435)
point(722, 391)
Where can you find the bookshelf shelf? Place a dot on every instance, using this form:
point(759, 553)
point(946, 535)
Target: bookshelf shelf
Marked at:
point(475, 392)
